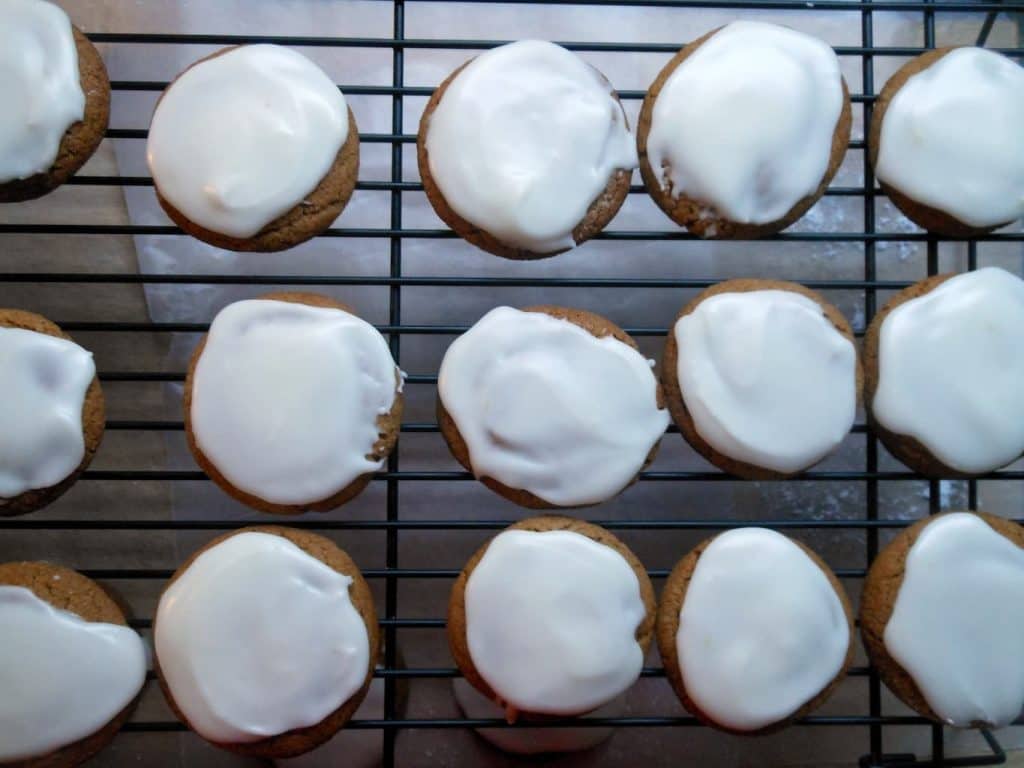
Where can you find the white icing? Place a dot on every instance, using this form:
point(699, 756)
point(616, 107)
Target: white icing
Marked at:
point(286, 396)
point(257, 638)
point(39, 86)
point(44, 381)
point(950, 138)
point(958, 620)
point(524, 740)
point(767, 378)
point(241, 138)
point(551, 620)
point(62, 678)
point(545, 406)
point(951, 370)
point(761, 630)
point(524, 139)
point(745, 123)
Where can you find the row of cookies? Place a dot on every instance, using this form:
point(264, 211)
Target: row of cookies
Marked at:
point(525, 150)
point(266, 639)
point(292, 402)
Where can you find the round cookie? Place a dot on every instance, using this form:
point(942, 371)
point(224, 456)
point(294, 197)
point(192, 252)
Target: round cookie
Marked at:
point(92, 419)
point(713, 200)
point(309, 194)
point(951, 404)
point(977, 563)
point(570, 570)
point(763, 680)
point(82, 136)
point(828, 412)
point(552, 200)
point(297, 575)
point(51, 591)
point(388, 424)
point(510, 454)
point(952, 182)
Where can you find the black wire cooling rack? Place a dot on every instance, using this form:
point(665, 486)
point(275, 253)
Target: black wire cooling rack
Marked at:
point(396, 616)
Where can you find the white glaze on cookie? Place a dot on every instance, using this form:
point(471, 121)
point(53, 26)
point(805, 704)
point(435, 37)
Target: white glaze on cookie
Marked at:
point(950, 138)
point(761, 630)
point(551, 620)
point(547, 407)
point(62, 678)
point(241, 138)
point(524, 139)
point(43, 381)
point(286, 397)
point(767, 378)
point(523, 740)
point(958, 619)
point(951, 370)
point(39, 86)
point(744, 124)
point(257, 638)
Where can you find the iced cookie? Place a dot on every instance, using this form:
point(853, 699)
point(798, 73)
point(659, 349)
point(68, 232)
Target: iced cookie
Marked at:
point(525, 151)
point(944, 373)
point(551, 617)
point(550, 407)
point(942, 619)
point(755, 631)
point(743, 129)
point(70, 666)
point(266, 641)
point(762, 377)
point(253, 149)
point(55, 96)
point(51, 411)
point(945, 140)
point(292, 402)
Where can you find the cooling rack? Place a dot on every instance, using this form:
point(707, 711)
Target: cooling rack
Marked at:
point(401, 623)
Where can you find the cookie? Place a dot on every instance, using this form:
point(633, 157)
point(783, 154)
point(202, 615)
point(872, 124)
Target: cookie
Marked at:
point(944, 141)
point(941, 618)
point(550, 407)
point(55, 86)
point(253, 149)
point(266, 640)
point(295, 405)
point(943, 363)
point(761, 377)
point(47, 380)
point(513, 636)
point(74, 664)
point(754, 631)
point(525, 151)
point(706, 155)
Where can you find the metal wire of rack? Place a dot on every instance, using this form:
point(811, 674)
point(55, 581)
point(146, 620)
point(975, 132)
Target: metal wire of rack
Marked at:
point(395, 617)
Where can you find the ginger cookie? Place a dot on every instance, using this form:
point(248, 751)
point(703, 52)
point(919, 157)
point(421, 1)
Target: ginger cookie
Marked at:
point(754, 630)
point(941, 618)
point(945, 141)
point(707, 156)
point(943, 364)
point(253, 149)
point(513, 632)
point(266, 641)
point(51, 416)
point(292, 402)
point(56, 97)
point(761, 377)
point(525, 151)
point(550, 407)
point(71, 666)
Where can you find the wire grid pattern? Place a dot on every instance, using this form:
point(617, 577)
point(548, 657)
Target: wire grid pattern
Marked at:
point(393, 525)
